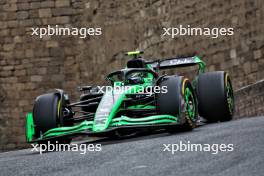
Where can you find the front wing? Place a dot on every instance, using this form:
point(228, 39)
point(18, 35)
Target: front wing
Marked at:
point(85, 127)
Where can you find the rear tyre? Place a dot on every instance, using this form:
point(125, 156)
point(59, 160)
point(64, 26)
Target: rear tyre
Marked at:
point(179, 101)
point(215, 96)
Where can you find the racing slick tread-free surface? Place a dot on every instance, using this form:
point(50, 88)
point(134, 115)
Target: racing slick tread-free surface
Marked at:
point(45, 112)
point(212, 98)
point(171, 102)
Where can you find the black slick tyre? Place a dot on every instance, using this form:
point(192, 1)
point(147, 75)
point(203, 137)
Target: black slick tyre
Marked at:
point(176, 102)
point(215, 96)
point(46, 113)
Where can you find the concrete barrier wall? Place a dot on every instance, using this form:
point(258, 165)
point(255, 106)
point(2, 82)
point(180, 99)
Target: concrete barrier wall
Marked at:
point(250, 100)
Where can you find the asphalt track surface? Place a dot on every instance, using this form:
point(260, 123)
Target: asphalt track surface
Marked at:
point(144, 155)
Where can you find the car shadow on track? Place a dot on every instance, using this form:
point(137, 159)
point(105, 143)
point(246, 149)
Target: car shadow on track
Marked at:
point(137, 137)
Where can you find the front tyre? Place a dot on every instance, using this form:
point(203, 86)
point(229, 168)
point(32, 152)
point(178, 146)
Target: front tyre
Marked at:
point(179, 101)
point(47, 114)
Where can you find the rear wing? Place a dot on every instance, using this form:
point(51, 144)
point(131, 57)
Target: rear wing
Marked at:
point(178, 62)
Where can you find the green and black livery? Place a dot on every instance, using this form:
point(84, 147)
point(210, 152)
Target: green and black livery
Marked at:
point(111, 113)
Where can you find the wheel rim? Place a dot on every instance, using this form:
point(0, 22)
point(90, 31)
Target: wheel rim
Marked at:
point(190, 104)
point(230, 97)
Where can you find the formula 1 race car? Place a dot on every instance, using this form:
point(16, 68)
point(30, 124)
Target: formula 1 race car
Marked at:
point(138, 99)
